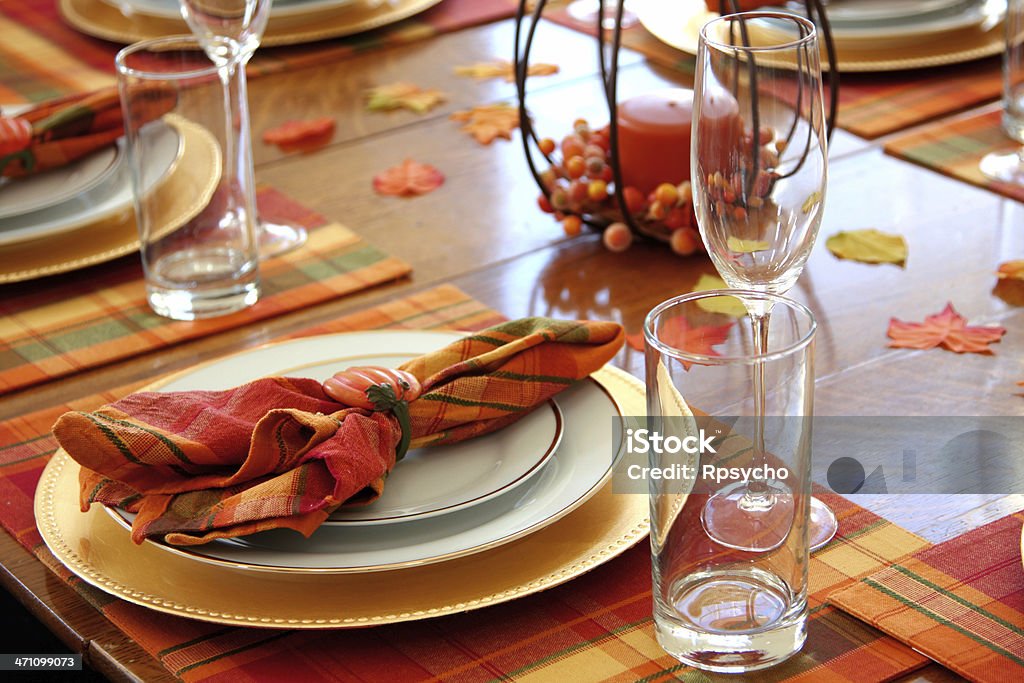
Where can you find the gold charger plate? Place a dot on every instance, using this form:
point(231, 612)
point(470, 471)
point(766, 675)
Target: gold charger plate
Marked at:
point(183, 192)
point(678, 24)
point(100, 552)
point(101, 20)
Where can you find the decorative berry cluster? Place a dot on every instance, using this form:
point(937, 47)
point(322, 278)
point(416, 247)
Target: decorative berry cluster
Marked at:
point(581, 189)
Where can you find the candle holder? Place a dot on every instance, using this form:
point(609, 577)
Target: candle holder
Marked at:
point(576, 190)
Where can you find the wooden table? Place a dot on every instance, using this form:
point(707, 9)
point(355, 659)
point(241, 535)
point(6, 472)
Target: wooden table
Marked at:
point(484, 233)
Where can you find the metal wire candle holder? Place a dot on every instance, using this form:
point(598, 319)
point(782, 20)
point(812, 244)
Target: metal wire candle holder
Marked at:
point(609, 43)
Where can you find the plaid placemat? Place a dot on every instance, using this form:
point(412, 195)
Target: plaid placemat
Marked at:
point(955, 148)
point(61, 325)
point(597, 627)
point(870, 104)
point(960, 602)
point(42, 57)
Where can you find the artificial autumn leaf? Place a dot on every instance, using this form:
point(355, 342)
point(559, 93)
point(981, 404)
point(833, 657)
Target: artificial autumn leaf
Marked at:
point(745, 246)
point(301, 136)
point(677, 333)
point(408, 179)
point(811, 201)
point(489, 121)
point(1011, 270)
point(403, 95)
point(868, 246)
point(948, 329)
point(503, 69)
point(730, 306)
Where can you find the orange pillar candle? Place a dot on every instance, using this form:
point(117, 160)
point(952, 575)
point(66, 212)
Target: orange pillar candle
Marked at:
point(654, 138)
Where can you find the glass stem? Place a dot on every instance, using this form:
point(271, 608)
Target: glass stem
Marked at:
point(758, 495)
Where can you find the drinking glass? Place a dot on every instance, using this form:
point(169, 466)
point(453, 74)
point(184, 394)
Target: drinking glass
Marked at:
point(717, 607)
point(207, 265)
point(1008, 167)
point(242, 21)
point(759, 174)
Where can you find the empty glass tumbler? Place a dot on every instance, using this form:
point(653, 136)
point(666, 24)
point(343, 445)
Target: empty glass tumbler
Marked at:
point(718, 607)
point(200, 261)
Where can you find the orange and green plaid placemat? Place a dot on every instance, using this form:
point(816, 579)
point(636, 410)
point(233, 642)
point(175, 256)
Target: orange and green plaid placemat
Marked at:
point(597, 627)
point(960, 602)
point(870, 104)
point(955, 148)
point(42, 57)
point(61, 325)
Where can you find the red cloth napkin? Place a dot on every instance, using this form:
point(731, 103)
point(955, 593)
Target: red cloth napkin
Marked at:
point(279, 452)
point(59, 132)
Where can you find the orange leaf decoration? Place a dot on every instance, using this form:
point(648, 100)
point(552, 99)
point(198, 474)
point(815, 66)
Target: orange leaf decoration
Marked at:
point(489, 121)
point(402, 95)
point(503, 69)
point(1011, 270)
point(408, 179)
point(677, 333)
point(948, 329)
point(301, 136)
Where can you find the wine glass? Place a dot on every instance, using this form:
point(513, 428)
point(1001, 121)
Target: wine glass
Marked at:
point(241, 21)
point(759, 172)
point(1008, 167)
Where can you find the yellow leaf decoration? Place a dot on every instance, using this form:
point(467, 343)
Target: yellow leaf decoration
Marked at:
point(868, 246)
point(489, 121)
point(402, 96)
point(810, 202)
point(1011, 270)
point(503, 69)
point(730, 306)
point(739, 246)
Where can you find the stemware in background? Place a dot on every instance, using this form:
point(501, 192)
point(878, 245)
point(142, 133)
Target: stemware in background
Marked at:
point(1008, 167)
point(207, 265)
point(242, 21)
point(719, 608)
point(759, 173)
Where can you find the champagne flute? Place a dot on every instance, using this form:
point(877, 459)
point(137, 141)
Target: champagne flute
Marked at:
point(243, 22)
point(759, 173)
point(1008, 167)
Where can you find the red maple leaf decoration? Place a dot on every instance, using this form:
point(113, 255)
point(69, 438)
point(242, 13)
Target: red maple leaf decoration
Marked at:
point(301, 136)
point(407, 179)
point(677, 333)
point(948, 329)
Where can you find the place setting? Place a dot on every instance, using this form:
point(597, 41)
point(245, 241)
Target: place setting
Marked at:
point(543, 478)
point(671, 376)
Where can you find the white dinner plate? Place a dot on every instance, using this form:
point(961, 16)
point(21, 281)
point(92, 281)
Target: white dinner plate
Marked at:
point(878, 10)
point(436, 481)
point(164, 148)
point(40, 190)
point(580, 465)
point(169, 9)
point(904, 25)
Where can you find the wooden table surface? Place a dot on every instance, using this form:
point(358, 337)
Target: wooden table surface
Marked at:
point(482, 231)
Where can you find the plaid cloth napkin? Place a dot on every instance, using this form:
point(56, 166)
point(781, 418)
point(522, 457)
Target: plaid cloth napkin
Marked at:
point(279, 452)
point(960, 602)
point(61, 131)
point(955, 148)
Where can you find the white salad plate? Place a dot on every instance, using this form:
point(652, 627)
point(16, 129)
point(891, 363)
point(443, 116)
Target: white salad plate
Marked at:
point(38, 191)
point(169, 9)
point(110, 198)
point(435, 481)
point(579, 466)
